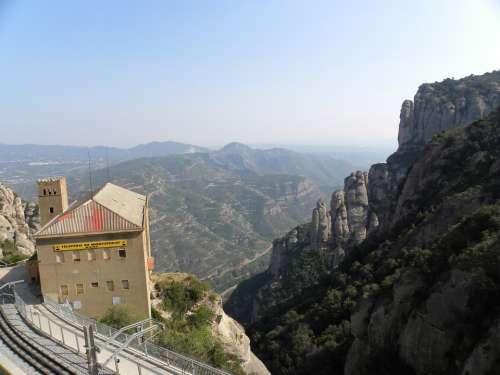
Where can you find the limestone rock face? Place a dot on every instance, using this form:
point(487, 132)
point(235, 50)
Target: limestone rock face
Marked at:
point(356, 197)
point(321, 224)
point(421, 322)
point(236, 342)
point(12, 221)
point(32, 216)
point(448, 104)
point(350, 212)
point(284, 247)
point(340, 225)
point(426, 338)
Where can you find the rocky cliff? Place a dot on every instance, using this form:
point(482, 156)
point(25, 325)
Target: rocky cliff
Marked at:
point(407, 280)
point(17, 220)
point(436, 107)
point(197, 324)
point(445, 105)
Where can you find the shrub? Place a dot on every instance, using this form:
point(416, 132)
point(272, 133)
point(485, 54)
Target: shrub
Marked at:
point(180, 297)
point(119, 316)
point(10, 252)
point(201, 317)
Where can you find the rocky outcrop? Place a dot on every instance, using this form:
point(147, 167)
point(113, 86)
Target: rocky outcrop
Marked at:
point(227, 331)
point(13, 226)
point(352, 217)
point(436, 107)
point(284, 248)
point(356, 198)
point(445, 105)
point(421, 295)
point(320, 225)
point(32, 216)
point(235, 341)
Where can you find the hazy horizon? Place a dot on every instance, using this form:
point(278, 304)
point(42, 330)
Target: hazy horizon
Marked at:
point(279, 72)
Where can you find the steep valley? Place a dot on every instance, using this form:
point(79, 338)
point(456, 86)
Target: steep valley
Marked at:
point(215, 214)
point(399, 273)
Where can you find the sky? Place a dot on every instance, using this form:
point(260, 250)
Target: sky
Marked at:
point(326, 72)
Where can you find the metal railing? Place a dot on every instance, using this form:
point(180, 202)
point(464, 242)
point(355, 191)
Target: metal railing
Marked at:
point(178, 363)
point(52, 327)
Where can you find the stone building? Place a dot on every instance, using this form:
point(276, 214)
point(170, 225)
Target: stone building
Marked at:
point(95, 253)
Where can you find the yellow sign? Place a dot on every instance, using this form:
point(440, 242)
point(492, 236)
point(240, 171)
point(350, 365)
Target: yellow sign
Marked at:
point(90, 245)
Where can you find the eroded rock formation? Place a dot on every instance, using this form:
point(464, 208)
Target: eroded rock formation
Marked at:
point(424, 204)
point(448, 104)
point(13, 224)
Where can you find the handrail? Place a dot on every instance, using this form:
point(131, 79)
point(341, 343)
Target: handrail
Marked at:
point(134, 325)
point(126, 343)
point(148, 349)
point(11, 283)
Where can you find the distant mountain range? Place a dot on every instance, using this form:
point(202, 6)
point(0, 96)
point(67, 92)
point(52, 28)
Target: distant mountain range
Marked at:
point(214, 213)
point(48, 153)
point(21, 165)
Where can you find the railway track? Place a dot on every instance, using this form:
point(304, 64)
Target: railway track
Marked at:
point(29, 352)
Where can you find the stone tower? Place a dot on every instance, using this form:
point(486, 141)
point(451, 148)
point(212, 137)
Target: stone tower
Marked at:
point(52, 198)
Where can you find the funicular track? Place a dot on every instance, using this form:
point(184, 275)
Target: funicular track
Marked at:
point(28, 351)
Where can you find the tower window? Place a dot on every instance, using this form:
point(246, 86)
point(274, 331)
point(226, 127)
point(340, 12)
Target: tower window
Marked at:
point(60, 257)
point(50, 192)
point(122, 253)
point(44, 191)
point(91, 255)
point(51, 210)
point(55, 191)
point(76, 256)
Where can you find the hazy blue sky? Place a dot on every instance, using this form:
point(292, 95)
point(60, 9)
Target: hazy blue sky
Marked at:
point(210, 72)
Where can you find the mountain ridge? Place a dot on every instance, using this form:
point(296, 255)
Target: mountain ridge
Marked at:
point(342, 294)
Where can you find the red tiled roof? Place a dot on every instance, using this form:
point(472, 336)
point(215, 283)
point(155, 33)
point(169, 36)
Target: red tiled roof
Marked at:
point(89, 217)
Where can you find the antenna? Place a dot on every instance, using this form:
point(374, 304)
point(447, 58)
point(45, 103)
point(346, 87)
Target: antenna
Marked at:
point(107, 164)
point(90, 175)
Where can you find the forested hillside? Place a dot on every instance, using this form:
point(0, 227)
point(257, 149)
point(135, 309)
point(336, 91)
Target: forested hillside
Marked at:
point(420, 294)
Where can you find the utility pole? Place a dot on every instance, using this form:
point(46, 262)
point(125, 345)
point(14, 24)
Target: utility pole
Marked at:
point(88, 332)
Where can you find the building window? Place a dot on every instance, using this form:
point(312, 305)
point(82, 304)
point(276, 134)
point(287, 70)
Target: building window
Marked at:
point(60, 257)
point(44, 191)
point(64, 290)
point(122, 253)
point(125, 284)
point(55, 191)
point(76, 256)
point(50, 192)
point(110, 285)
point(117, 300)
point(94, 284)
point(91, 255)
point(79, 289)
point(77, 305)
point(106, 254)
point(51, 210)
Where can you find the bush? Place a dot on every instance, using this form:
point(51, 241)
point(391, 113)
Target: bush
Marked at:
point(180, 297)
point(201, 317)
point(119, 316)
point(10, 252)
